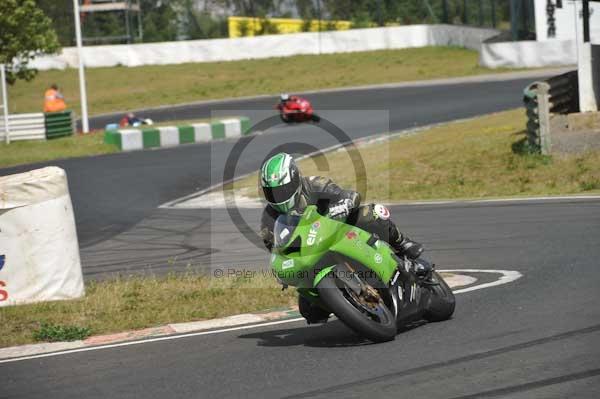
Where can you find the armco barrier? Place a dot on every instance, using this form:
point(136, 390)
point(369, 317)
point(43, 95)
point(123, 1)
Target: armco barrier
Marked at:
point(24, 127)
point(59, 124)
point(168, 136)
point(39, 126)
point(557, 95)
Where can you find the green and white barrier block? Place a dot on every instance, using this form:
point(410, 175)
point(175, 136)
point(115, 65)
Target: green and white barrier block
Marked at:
point(170, 136)
point(130, 139)
point(202, 132)
point(233, 128)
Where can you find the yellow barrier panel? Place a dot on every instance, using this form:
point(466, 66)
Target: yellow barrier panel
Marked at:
point(247, 26)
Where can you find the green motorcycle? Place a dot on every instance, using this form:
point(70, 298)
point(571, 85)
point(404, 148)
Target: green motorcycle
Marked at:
point(353, 274)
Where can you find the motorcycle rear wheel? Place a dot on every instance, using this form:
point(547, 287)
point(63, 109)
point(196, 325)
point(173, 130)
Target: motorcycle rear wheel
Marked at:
point(377, 325)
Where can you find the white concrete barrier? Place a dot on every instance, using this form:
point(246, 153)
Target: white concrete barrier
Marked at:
point(387, 38)
point(39, 252)
point(528, 54)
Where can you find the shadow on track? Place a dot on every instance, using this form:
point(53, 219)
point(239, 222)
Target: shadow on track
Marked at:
point(333, 334)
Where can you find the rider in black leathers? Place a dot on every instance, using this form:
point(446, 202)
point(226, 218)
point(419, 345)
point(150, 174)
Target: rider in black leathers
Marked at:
point(288, 192)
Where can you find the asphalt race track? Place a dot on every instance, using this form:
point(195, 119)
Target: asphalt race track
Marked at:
point(536, 337)
point(112, 193)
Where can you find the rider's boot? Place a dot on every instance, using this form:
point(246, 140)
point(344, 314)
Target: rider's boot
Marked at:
point(313, 314)
point(406, 247)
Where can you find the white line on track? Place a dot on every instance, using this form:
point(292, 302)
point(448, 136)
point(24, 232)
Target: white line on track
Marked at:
point(507, 277)
point(167, 338)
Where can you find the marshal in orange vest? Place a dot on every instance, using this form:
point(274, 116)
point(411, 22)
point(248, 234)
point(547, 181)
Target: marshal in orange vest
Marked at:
point(54, 100)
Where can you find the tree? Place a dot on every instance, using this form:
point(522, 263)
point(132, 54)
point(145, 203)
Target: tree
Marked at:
point(25, 31)
point(160, 20)
point(61, 14)
point(199, 24)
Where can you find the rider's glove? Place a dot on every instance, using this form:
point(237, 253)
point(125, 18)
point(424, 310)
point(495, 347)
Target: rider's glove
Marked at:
point(341, 209)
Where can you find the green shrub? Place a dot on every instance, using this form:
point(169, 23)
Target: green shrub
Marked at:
point(55, 333)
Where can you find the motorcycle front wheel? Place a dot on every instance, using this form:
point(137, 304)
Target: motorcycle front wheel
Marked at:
point(441, 302)
point(370, 319)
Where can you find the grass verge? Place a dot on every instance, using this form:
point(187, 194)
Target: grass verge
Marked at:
point(79, 145)
point(118, 89)
point(139, 302)
point(481, 157)
point(30, 151)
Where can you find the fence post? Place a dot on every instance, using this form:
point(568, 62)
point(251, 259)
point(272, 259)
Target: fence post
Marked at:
point(445, 18)
point(4, 103)
point(543, 99)
point(480, 13)
point(515, 16)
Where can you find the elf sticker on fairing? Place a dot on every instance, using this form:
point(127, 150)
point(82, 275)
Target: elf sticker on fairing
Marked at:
point(381, 212)
point(312, 236)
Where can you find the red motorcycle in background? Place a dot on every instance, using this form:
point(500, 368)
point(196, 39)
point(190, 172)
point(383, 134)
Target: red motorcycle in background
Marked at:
point(295, 109)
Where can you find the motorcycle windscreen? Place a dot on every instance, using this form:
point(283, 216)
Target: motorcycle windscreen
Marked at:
point(284, 228)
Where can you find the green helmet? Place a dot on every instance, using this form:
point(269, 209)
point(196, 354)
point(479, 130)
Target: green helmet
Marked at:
point(280, 182)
